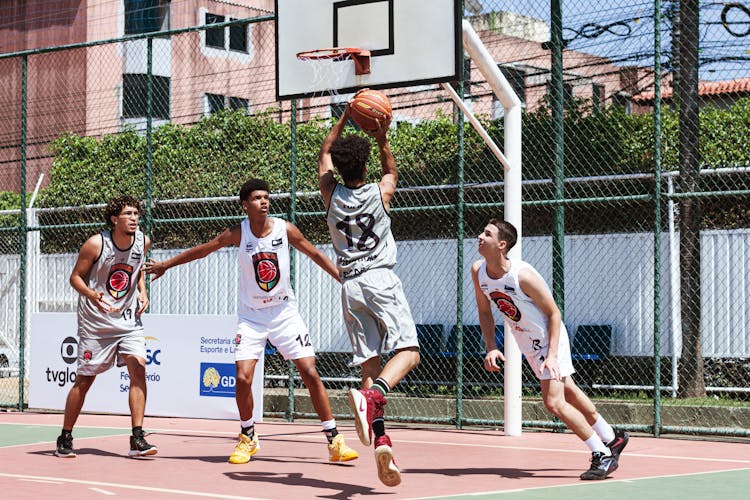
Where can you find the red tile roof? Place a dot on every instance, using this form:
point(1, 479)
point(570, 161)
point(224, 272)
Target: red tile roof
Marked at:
point(704, 88)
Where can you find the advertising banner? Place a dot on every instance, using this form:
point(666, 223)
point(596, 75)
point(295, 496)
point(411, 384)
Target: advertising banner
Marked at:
point(190, 368)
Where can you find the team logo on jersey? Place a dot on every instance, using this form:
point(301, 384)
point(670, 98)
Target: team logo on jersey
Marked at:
point(118, 282)
point(267, 273)
point(87, 355)
point(506, 305)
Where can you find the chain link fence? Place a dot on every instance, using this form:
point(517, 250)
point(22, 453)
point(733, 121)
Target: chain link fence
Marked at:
point(635, 194)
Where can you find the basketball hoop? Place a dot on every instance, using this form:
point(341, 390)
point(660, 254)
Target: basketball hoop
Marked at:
point(360, 57)
point(331, 68)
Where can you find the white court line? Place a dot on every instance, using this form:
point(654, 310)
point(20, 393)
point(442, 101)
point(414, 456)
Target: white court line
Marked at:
point(41, 481)
point(130, 487)
point(609, 481)
point(103, 492)
point(438, 443)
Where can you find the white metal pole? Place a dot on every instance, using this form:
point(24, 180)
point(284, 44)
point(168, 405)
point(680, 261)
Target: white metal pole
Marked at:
point(674, 289)
point(512, 200)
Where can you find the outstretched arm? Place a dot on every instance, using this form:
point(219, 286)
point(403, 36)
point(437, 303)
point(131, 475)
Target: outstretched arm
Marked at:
point(326, 180)
point(388, 168)
point(486, 323)
point(229, 237)
point(298, 241)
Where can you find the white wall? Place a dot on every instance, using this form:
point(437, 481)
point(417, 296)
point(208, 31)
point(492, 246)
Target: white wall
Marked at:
point(608, 279)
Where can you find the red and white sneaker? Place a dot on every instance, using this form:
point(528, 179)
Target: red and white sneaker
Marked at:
point(387, 469)
point(366, 404)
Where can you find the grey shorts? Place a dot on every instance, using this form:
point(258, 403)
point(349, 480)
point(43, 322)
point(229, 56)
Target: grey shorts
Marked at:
point(376, 314)
point(98, 353)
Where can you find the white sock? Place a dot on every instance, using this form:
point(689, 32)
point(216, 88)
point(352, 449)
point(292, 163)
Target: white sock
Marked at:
point(247, 423)
point(595, 444)
point(328, 424)
point(603, 430)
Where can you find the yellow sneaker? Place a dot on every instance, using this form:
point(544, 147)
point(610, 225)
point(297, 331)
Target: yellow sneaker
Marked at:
point(245, 449)
point(338, 451)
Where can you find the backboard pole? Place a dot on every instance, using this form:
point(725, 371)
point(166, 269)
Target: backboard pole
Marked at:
point(512, 201)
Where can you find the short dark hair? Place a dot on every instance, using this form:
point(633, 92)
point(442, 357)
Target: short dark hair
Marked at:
point(349, 155)
point(117, 204)
point(253, 185)
point(505, 232)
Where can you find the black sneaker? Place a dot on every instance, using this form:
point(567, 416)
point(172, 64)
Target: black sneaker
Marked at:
point(65, 447)
point(139, 447)
point(601, 466)
point(618, 443)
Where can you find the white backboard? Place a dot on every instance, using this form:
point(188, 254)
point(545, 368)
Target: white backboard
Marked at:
point(412, 42)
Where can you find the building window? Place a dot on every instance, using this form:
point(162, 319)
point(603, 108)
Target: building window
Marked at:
point(517, 81)
point(216, 102)
point(134, 88)
point(597, 95)
point(217, 38)
point(238, 37)
point(214, 36)
point(568, 101)
point(146, 16)
point(239, 103)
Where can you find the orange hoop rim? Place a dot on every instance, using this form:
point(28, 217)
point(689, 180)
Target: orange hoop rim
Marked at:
point(331, 53)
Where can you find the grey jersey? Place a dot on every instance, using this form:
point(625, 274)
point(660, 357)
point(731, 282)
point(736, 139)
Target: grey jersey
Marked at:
point(115, 273)
point(360, 230)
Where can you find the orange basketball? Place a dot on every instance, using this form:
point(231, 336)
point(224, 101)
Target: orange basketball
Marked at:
point(370, 109)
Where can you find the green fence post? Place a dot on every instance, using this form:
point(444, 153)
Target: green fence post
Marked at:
point(657, 218)
point(22, 233)
point(293, 220)
point(556, 93)
point(460, 267)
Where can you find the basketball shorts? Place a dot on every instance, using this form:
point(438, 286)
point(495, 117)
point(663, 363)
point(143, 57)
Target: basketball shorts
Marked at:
point(97, 353)
point(564, 360)
point(377, 315)
point(282, 325)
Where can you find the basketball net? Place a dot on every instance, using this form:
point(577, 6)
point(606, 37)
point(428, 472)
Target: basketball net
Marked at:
point(332, 67)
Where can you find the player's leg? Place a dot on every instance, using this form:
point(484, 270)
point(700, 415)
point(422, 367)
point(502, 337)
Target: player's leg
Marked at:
point(248, 443)
point(338, 451)
point(136, 364)
point(95, 355)
point(250, 341)
point(73, 405)
point(602, 461)
point(615, 439)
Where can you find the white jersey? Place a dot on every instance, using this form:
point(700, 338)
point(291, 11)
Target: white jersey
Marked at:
point(530, 324)
point(115, 273)
point(264, 269)
point(360, 230)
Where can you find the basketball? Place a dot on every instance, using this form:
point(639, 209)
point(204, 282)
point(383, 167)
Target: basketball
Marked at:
point(370, 109)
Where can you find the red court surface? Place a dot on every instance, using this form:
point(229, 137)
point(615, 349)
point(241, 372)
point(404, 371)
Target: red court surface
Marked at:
point(293, 461)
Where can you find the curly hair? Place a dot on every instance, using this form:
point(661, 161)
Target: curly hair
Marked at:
point(116, 205)
point(349, 155)
point(253, 185)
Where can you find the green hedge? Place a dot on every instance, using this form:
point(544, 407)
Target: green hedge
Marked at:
point(214, 156)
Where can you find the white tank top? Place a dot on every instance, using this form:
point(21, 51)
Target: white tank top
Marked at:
point(115, 273)
point(360, 230)
point(529, 323)
point(264, 268)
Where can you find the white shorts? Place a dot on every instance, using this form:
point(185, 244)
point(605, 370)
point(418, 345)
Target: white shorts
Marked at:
point(282, 325)
point(565, 362)
point(377, 315)
point(98, 353)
